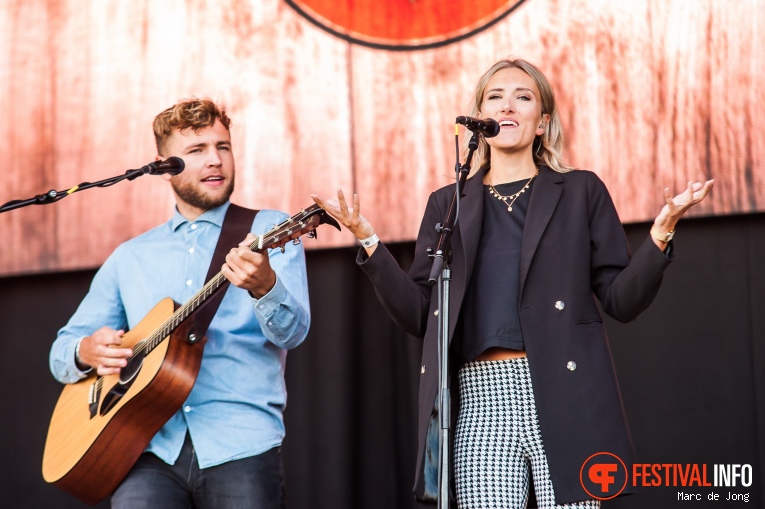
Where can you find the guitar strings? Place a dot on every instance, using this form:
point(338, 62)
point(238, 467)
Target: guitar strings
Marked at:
point(215, 282)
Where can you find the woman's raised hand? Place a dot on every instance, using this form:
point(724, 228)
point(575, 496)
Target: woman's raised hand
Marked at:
point(675, 207)
point(351, 217)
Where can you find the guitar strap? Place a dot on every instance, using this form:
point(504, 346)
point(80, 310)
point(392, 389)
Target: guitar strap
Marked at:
point(236, 225)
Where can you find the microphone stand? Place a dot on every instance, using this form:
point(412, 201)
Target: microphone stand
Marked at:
point(441, 274)
point(54, 196)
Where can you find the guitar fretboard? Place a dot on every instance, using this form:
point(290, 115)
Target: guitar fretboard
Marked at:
point(146, 346)
point(305, 221)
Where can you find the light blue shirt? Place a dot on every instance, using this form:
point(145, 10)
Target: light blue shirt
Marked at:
point(235, 408)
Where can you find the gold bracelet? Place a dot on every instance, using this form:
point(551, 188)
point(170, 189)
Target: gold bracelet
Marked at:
point(662, 237)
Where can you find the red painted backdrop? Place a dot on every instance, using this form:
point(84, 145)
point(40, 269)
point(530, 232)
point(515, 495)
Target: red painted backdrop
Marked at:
point(653, 93)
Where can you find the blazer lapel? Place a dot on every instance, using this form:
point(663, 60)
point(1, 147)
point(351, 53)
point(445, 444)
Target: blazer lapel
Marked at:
point(545, 195)
point(468, 229)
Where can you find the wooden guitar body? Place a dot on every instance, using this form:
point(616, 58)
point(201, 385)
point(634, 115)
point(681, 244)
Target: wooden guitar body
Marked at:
point(88, 455)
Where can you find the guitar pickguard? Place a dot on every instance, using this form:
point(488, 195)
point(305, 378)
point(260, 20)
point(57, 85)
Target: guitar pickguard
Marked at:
point(126, 379)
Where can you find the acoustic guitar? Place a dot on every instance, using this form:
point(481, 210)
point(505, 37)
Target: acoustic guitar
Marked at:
point(102, 424)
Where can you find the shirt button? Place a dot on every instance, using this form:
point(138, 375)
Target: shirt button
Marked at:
point(188, 282)
point(187, 409)
point(422, 369)
point(270, 324)
point(191, 250)
point(261, 306)
point(559, 305)
point(571, 365)
point(194, 226)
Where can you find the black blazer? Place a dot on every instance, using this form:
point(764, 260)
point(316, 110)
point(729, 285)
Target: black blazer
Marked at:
point(573, 250)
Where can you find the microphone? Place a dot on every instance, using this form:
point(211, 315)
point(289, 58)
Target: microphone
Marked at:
point(488, 127)
point(170, 166)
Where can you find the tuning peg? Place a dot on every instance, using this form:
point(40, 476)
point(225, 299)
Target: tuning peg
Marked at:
point(296, 242)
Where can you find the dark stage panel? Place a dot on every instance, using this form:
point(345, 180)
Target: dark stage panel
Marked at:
point(692, 372)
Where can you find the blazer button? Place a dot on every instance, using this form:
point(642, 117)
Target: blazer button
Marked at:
point(559, 305)
point(571, 365)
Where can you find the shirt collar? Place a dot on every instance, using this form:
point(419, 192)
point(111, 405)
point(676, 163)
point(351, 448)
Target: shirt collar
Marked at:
point(214, 216)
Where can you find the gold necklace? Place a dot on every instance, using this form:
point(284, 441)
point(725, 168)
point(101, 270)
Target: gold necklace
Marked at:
point(510, 199)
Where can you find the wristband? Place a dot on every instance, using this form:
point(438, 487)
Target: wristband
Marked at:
point(80, 365)
point(370, 241)
point(77, 352)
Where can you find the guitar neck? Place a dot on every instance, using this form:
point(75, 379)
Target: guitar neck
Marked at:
point(215, 283)
point(304, 222)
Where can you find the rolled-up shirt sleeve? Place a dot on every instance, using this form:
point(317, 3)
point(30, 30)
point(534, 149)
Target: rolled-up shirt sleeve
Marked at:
point(101, 307)
point(284, 312)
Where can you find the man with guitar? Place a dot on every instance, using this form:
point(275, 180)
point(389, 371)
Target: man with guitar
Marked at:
point(221, 449)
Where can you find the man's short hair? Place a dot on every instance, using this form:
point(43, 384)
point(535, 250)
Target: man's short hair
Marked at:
point(196, 114)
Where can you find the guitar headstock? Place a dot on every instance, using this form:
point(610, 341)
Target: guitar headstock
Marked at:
point(304, 222)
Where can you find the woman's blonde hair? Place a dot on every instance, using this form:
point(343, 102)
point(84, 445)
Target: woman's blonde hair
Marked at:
point(546, 148)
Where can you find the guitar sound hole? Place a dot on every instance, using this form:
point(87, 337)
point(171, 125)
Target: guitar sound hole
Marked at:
point(133, 367)
point(127, 377)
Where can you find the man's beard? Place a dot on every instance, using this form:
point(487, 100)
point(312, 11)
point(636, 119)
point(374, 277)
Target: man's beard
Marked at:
point(196, 198)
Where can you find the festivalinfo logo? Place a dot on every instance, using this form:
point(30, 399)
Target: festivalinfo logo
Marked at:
point(604, 476)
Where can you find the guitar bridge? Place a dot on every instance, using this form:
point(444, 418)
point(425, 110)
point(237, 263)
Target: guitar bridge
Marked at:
point(94, 395)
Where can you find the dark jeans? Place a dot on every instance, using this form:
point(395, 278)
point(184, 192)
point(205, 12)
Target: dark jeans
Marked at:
point(249, 483)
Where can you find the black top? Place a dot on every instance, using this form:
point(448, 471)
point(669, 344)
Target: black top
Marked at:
point(489, 314)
